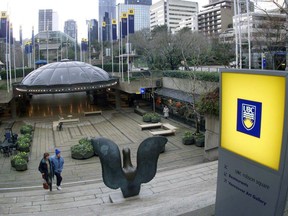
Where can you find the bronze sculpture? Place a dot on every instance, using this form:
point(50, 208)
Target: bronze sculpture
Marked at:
point(128, 178)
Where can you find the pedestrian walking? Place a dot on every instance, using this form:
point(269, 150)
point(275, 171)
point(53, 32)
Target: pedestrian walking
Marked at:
point(58, 163)
point(166, 112)
point(46, 169)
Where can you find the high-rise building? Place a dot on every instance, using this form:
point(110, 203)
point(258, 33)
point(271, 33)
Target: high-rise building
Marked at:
point(216, 17)
point(70, 28)
point(171, 13)
point(47, 20)
point(93, 30)
point(140, 2)
point(107, 12)
point(141, 14)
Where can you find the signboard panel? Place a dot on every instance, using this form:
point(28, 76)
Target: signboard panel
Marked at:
point(252, 172)
point(253, 193)
point(257, 101)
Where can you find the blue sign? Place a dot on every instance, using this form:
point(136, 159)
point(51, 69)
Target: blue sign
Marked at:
point(142, 90)
point(264, 63)
point(249, 117)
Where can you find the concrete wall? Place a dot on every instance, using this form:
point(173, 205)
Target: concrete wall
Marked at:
point(212, 126)
point(188, 85)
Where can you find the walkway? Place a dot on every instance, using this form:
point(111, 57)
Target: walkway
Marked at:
point(176, 185)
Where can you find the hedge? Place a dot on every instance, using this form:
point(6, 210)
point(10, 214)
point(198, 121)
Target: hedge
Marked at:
point(19, 73)
point(108, 67)
point(205, 76)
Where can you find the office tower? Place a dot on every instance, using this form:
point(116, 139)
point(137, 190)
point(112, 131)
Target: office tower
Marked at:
point(171, 13)
point(107, 12)
point(139, 2)
point(93, 30)
point(141, 14)
point(47, 20)
point(70, 28)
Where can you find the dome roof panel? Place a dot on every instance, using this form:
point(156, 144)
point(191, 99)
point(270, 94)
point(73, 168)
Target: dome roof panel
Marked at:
point(65, 73)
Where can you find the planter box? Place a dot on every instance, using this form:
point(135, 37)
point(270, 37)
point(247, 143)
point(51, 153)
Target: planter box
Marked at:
point(199, 141)
point(21, 167)
point(188, 141)
point(146, 119)
point(212, 126)
point(79, 156)
point(156, 120)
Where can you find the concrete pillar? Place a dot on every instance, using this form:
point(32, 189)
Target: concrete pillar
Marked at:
point(117, 99)
point(13, 108)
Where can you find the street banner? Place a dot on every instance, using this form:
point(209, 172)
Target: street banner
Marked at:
point(114, 29)
point(3, 24)
point(84, 45)
point(124, 24)
point(131, 21)
point(104, 31)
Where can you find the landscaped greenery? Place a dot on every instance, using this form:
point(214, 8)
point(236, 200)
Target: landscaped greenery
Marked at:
point(82, 150)
point(19, 155)
point(151, 117)
point(209, 103)
point(199, 75)
point(26, 129)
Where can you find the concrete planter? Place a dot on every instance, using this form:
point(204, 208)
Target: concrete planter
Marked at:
point(212, 126)
point(188, 140)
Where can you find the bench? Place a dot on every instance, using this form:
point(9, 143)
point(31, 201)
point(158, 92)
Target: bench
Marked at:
point(93, 112)
point(169, 127)
point(153, 125)
point(58, 124)
point(69, 120)
point(162, 132)
point(140, 111)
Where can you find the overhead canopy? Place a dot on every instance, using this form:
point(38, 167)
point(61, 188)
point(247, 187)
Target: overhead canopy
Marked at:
point(176, 94)
point(40, 62)
point(66, 76)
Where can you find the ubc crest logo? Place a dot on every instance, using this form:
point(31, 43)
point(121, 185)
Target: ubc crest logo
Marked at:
point(249, 117)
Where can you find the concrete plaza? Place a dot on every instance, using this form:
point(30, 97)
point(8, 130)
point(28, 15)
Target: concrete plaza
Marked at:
point(184, 184)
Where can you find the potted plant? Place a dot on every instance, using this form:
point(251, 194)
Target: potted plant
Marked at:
point(13, 159)
point(24, 139)
point(23, 146)
point(147, 117)
point(24, 155)
point(155, 117)
point(199, 139)
point(26, 129)
point(83, 150)
point(188, 138)
point(21, 164)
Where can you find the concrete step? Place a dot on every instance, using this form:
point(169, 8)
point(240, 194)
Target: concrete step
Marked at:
point(189, 190)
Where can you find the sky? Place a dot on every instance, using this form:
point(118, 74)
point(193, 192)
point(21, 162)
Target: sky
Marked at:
point(25, 13)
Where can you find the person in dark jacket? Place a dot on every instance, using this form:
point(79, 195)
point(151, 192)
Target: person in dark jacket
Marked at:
point(46, 169)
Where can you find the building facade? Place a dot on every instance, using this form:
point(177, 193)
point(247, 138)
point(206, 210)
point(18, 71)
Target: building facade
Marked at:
point(141, 15)
point(140, 2)
point(107, 12)
point(190, 22)
point(216, 17)
point(47, 20)
point(93, 30)
point(171, 13)
point(70, 28)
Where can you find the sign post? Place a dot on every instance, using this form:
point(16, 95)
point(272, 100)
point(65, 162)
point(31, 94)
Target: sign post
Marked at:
point(252, 172)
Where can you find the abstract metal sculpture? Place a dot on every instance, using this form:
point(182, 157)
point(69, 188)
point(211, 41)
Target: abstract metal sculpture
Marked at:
point(128, 178)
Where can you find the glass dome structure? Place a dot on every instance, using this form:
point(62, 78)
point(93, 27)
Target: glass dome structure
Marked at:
point(65, 76)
